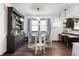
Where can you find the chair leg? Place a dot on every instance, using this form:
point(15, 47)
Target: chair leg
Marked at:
point(44, 50)
point(36, 50)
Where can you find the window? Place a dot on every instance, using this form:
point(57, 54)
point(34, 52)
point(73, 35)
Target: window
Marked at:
point(76, 24)
point(43, 25)
point(34, 24)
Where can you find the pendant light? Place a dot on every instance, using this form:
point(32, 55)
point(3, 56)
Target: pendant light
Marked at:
point(65, 10)
point(37, 16)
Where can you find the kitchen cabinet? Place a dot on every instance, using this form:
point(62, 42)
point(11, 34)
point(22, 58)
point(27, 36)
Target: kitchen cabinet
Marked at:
point(67, 39)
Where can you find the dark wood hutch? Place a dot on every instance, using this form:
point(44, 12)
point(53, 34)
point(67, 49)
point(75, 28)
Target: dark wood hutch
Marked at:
point(15, 37)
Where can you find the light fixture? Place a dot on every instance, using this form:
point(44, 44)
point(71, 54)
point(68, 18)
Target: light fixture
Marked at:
point(65, 14)
point(38, 11)
point(21, 19)
point(37, 16)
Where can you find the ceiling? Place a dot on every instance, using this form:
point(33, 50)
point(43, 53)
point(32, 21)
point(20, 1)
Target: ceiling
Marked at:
point(47, 9)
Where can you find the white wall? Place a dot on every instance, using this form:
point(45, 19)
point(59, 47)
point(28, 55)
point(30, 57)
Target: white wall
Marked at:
point(56, 28)
point(3, 28)
point(25, 25)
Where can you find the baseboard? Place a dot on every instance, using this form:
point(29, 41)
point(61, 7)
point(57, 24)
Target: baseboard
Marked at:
point(3, 53)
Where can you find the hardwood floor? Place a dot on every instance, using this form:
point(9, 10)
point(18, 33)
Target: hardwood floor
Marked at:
point(58, 49)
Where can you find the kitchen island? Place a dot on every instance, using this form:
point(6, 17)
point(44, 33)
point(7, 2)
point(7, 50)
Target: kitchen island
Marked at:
point(67, 38)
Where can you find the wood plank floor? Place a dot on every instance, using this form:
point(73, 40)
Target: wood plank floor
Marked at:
point(58, 49)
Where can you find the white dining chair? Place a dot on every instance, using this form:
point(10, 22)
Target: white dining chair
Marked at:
point(40, 43)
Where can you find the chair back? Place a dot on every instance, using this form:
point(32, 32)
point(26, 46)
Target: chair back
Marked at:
point(40, 39)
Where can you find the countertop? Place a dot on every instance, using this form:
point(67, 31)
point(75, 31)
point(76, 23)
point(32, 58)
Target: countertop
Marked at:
point(73, 34)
